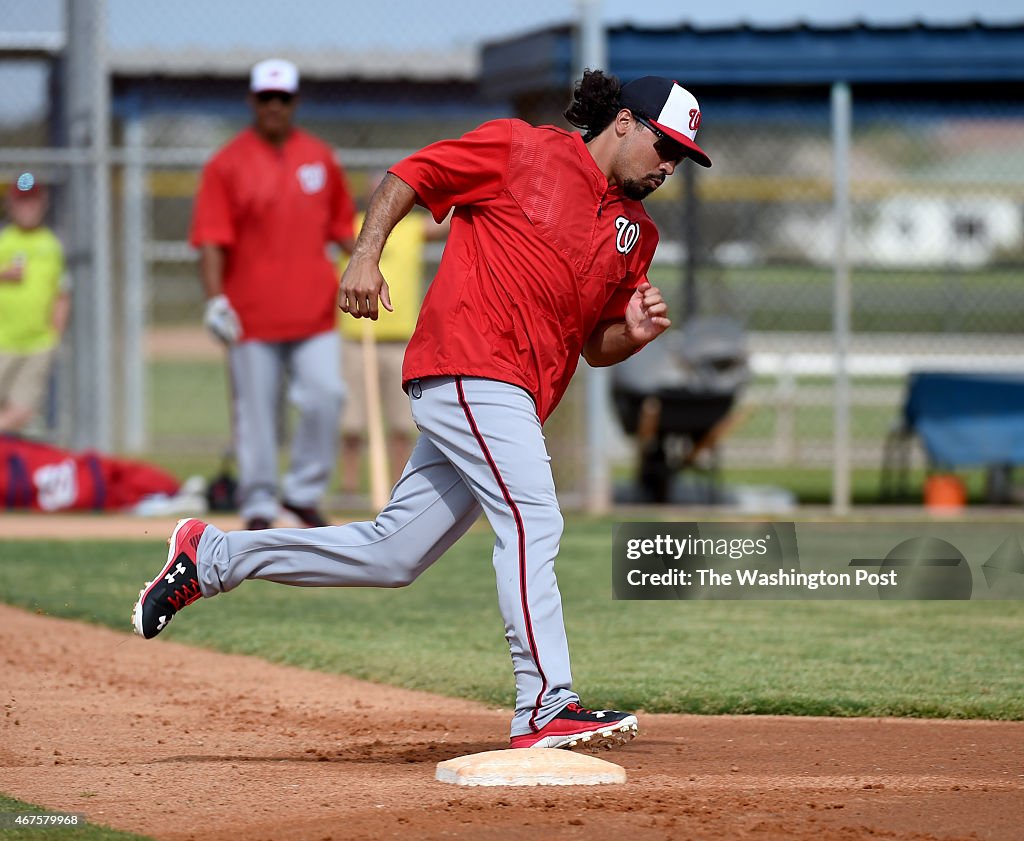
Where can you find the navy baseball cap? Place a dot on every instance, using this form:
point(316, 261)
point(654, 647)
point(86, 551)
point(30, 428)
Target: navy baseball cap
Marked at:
point(670, 108)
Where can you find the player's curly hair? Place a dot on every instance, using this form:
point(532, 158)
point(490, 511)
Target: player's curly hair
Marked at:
point(595, 102)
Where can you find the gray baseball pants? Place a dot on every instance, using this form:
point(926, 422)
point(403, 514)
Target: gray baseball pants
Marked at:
point(258, 370)
point(481, 448)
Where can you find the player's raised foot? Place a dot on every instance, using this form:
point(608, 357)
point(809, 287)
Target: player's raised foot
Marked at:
point(176, 586)
point(307, 516)
point(578, 728)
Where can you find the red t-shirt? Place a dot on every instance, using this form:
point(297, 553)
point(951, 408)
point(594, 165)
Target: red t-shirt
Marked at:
point(274, 210)
point(541, 251)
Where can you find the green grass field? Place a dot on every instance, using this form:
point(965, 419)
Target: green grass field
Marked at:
point(788, 296)
point(444, 634)
point(798, 297)
point(190, 430)
point(10, 807)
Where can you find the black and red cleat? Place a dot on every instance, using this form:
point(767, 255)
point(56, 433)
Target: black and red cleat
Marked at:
point(176, 586)
point(308, 516)
point(577, 727)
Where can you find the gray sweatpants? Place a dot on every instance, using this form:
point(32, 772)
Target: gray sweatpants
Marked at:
point(481, 447)
point(258, 370)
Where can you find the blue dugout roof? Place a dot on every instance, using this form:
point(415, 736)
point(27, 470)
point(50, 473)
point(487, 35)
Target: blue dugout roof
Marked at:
point(750, 56)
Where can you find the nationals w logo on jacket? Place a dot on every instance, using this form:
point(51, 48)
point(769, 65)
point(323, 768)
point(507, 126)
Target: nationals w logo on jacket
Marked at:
point(628, 234)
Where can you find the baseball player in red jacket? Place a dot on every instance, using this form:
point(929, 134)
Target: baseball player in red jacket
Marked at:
point(546, 262)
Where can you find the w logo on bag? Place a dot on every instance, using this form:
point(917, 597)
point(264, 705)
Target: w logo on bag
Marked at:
point(628, 235)
point(56, 485)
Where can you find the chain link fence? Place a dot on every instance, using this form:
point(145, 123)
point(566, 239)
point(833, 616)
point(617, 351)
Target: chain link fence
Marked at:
point(936, 249)
point(936, 245)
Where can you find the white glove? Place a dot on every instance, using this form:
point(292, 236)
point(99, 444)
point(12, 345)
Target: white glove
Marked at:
point(221, 320)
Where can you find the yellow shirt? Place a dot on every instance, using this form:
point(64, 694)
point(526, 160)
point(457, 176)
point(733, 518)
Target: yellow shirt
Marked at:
point(402, 267)
point(26, 305)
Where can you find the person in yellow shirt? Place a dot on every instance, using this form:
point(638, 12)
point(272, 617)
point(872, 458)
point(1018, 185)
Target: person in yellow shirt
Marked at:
point(402, 263)
point(34, 303)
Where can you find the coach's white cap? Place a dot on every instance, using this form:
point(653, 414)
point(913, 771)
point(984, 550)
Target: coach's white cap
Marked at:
point(274, 74)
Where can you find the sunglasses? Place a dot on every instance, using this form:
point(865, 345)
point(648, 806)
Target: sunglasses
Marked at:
point(283, 97)
point(667, 146)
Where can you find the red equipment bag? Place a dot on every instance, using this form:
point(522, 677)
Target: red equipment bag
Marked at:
point(41, 477)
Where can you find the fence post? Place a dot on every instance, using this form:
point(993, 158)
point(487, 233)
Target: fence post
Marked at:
point(841, 128)
point(598, 492)
point(88, 114)
point(785, 413)
point(134, 292)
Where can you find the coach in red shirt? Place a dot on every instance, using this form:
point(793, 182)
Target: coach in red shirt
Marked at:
point(546, 262)
point(268, 205)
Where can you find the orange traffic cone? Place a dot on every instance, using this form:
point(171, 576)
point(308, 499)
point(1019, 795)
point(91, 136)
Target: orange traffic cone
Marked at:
point(944, 492)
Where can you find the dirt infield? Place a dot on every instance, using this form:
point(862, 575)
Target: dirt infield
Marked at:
point(190, 341)
point(99, 526)
point(179, 743)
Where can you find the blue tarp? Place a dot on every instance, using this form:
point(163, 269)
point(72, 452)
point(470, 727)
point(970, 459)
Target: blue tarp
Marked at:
point(967, 419)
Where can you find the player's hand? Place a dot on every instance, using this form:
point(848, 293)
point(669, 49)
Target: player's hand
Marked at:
point(14, 272)
point(646, 314)
point(222, 320)
point(362, 286)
